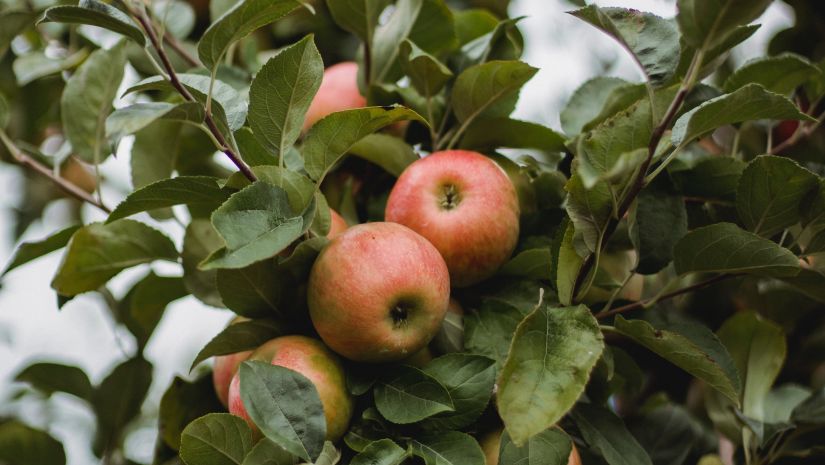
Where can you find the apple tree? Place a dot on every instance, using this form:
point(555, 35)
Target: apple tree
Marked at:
point(642, 286)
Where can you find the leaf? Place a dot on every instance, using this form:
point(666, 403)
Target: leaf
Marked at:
point(35, 65)
point(714, 177)
point(87, 101)
point(281, 93)
point(285, 406)
point(216, 439)
point(590, 210)
point(267, 452)
point(204, 191)
point(182, 403)
point(692, 348)
point(359, 17)
point(726, 248)
point(531, 263)
point(587, 102)
point(606, 433)
point(812, 410)
point(469, 380)
point(23, 445)
point(658, 222)
point(95, 13)
point(550, 359)
point(706, 23)
point(332, 137)
point(669, 433)
point(12, 23)
point(240, 21)
point(493, 133)
point(199, 241)
point(54, 377)
point(388, 152)
point(131, 119)
point(750, 102)
point(489, 88)
point(566, 262)
point(781, 73)
point(770, 193)
point(143, 306)
point(381, 452)
point(489, 330)
point(28, 251)
point(97, 252)
point(504, 42)
point(238, 337)
point(117, 400)
point(652, 41)
point(550, 447)
point(408, 395)
point(450, 337)
point(449, 448)
point(256, 223)
point(253, 291)
point(427, 74)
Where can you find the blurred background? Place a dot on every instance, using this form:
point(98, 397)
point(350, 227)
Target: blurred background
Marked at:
point(83, 333)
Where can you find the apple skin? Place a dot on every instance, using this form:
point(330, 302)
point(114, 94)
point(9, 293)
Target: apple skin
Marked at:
point(378, 292)
point(337, 226)
point(315, 361)
point(465, 205)
point(224, 370)
point(338, 92)
point(491, 445)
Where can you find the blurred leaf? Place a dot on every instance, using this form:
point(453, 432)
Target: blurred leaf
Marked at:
point(388, 152)
point(409, 395)
point(267, 452)
point(54, 377)
point(469, 379)
point(781, 74)
point(450, 448)
point(587, 102)
point(382, 452)
point(450, 337)
point(531, 263)
point(253, 291)
point(143, 306)
point(493, 133)
point(35, 65)
point(359, 17)
point(281, 93)
point(473, 23)
point(489, 89)
point(5, 112)
point(95, 13)
point(116, 402)
point(199, 241)
point(28, 251)
point(87, 101)
point(726, 248)
point(238, 337)
point(535, 389)
point(658, 221)
point(669, 434)
point(782, 400)
point(706, 23)
point(330, 455)
point(550, 447)
point(427, 74)
point(203, 191)
point(710, 178)
point(504, 42)
point(809, 282)
point(750, 102)
point(216, 439)
point(238, 22)
point(607, 433)
point(182, 403)
point(285, 405)
point(131, 119)
point(12, 23)
point(23, 445)
point(812, 410)
point(97, 252)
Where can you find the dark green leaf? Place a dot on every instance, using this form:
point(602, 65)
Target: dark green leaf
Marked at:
point(606, 433)
point(53, 377)
point(143, 306)
point(566, 262)
point(550, 447)
point(199, 241)
point(216, 439)
point(706, 23)
point(658, 222)
point(131, 119)
point(28, 251)
point(489, 89)
point(95, 13)
point(450, 448)
point(670, 434)
point(710, 178)
point(117, 401)
point(589, 210)
point(812, 410)
point(382, 452)
point(532, 263)
point(182, 403)
point(359, 17)
point(202, 191)
point(267, 452)
point(408, 395)
point(388, 152)
point(238, 337)
point(489, 330)
point(427, 74)
point(587, 102)
point(252, 291)
point(23, 445)
point(469, 379)
point(493, 133)
point(781, 74)
point(809, 282)
point(13, 22)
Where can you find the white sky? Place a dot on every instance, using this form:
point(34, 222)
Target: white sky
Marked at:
point(566, 50)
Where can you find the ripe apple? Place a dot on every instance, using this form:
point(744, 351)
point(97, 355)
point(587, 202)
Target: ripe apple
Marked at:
point(378, 292)
point(338, 92)
point(337, 226)
point(224, 370)
point(314, 360)
point(464, 204)
point(491, 444)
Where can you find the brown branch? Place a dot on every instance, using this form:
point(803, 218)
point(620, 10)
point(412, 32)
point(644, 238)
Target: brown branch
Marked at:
point(45, 171)
point(669, 295)
point(172, 42)
point(141, 16)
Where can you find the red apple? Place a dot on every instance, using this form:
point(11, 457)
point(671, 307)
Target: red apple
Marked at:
point(378, 292)
point(312, 359)
point(464, 204)
point(338, 92)
point(224, 370)
point(491, 444)
point(337, 226)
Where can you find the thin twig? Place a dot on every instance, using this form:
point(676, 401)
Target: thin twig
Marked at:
point(45, 171)
point(172, 42)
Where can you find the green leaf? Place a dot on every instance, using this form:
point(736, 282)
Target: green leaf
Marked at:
point(810, 283)
point(408, 395)
point(489, 89)
point(253, 291)
point(711, 178)
point(87, 101)
point(427, 74)
point(450, 448)
point(256, 223)
point(493, 133)
point(143, 306)
point(216, 439)
point(382, 452)
point(550, 447)
point(131, 119)
point(503, 43)
point(658, 221)
point(590, 210)
point(252, 151)
point(267, 452)
point(202, 191)
point(692, 347)
point(450, 337)
point(811, 410)
point(117, 400)
point(23, 445)
point(781, 73)
point(566, 262)
point(531, 263)
point(238, 337)
point(770, 193)
point(95, 13)
point(28, 251)
point(606, 433)
point(281, 93)
point(469, 380)
point(489, 330)
point(332, 137)
point(54, 377)
point(199, 241)
point(97, 252)
point(652, 41)
point(298, 187)
point(182, 403)
point(5, 112)
point(35, 65)
point(240, 21)
point(587, 102)
point(473, 23)
point(359, 17)
point(285, 405)
point(550, 359)
point(750, 102)
point(12, 23)
point(726, 248)
point(706, 23)
point(388, 152)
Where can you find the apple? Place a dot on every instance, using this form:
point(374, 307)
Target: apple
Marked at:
point(338, 92)
point(314, 360)
point(465, 205)
point(420, 359)
point(491, 444)
point(224, 370)
point(338, 225)
point(378, 292)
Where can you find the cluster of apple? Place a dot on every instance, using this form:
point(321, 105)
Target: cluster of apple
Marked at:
point(379, 292)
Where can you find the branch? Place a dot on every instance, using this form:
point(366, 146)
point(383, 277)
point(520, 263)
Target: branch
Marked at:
point(171, 41)
point(802, 133)
point(141, 16)
point(47, 172)
point(670, 295)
